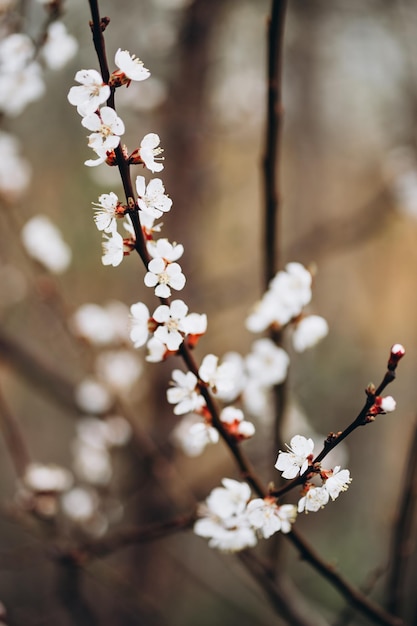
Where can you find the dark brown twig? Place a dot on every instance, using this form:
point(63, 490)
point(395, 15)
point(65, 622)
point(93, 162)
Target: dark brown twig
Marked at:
point(13, 436)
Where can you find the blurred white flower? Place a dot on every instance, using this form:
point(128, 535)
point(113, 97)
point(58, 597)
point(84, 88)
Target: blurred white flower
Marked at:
point(79, 504)
point(15, 172)
point(192, 435)
point(40, 477)
point(59, 47)
point(43, 242)
point(118, 369)
point(101, 325)
point(91, 463)
point(267, 364)
point(308, 332)
point(92, 397)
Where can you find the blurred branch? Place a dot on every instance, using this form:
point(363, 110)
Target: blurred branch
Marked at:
point(347, 614)
point(287, 604)
point(13, 436)
point(355, 598)
point(403, 543)
point(271, 169)
point(70, 594)
point(124, 537)
point(43, 376)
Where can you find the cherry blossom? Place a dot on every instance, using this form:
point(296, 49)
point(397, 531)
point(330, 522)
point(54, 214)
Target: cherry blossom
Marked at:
point(163, 276)
point(288, 292)
point(15, 171)
point(297, 459)
point(101, 325)
point(235, 423)
point(224, 519)
point(184, 393)
point(193, 435)
point(337, 481)
point(166, 250)
point(93, 397)
point(152, 198)
point(113, 249)
point(149, 151)
point(314, 499)
point(308, 332)
point(20, 87)
point(268, 518)
point(157, 351)
point(107, 127)
point(90, 94)
point(171, 330)
point(130, 68)
point(219, 377)
point(106, 211)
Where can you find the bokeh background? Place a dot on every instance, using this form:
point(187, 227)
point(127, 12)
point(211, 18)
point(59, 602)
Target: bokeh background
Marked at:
point(349, 207)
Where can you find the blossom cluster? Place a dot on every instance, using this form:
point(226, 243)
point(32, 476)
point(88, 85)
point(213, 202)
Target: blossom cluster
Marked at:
point(283, 303)
point(232, 521)
point(297, 461)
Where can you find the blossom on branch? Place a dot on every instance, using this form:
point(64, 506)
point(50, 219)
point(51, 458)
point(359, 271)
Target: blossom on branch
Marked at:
point(184, 393)
point(107, 128)
point(107, 210)
point(315, 498)
point(130, 68)
point(336, 481)
point(219, 377)
point(152, 198)
point(163, 276)
point(164, 249)
point(193, 435)
point(59, 47)
point(298, 457)
point(43, 242)
point(235, 424)
point(268, 517)
point(148, 153)
point(90, 94)
point(267, 364)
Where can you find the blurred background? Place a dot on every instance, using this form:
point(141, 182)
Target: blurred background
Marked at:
point(349, 208)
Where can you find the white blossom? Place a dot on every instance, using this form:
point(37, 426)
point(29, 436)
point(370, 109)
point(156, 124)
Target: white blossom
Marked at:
point(152, 198)
point(235, 423)
point(156, 350)
point(163, 276)
point(149, 151)
point(91, 463)
point(184, 393)
point(225, 522)
point(288, 292)
point(297, 458)
point(170, 319)
point(19, 88)
point(113, 248)
point(106, 212)
point(388, 404)
point(107, 128)
point(219, 377)
point(338, 481)
point(193, 435)
point(308, 332)
point(131, 66)
point(79, 504)
point(268, 518)
point(43, 242)
point(164, 249)
point(315, 499)
point(90, 94)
